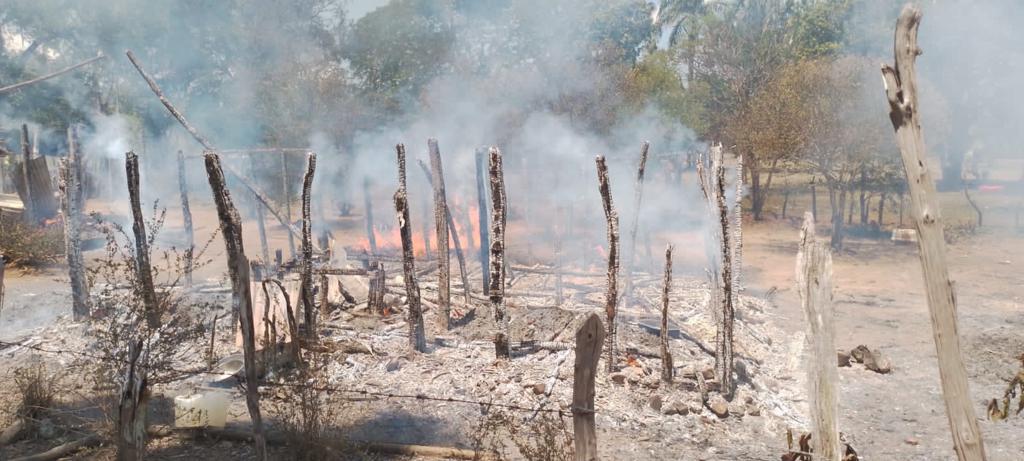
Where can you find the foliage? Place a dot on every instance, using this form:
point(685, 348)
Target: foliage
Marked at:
point(307, 412)
point(120, 318)
point(26, 245)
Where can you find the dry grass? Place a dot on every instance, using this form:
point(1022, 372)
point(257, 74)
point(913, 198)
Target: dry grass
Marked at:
point(36, 391)
point(505, 435)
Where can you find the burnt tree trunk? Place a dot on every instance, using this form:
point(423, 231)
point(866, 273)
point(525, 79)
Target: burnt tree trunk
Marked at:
point(73, 204)
point(441, 217)
point(666, 356)
point(713, 187)
point(186, 216)
point(901, 92)
point(502, 341)
point(482, 225)
point(453, 231)
point(375, 297)
point(306, 272)
point(417, 335)
point(143, 270)
point(238, 269)
point(736, 265)
point(612, 293)
point(638, 192)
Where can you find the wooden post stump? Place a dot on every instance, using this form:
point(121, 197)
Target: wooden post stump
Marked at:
point(589, 340)
point(306, 268)
point(72, 204)
point(485, 243)
point(814, 285)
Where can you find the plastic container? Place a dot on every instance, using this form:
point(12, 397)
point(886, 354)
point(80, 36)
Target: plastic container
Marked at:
point(205, 409)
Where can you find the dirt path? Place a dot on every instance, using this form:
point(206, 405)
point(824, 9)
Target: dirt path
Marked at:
point(879, 302)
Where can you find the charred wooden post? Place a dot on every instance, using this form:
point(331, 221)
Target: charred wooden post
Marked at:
point(375, 298)
point(142, 266)
point(612, 294)
point(131, 408)
point(502, 342)
point(325, 305)
point(417, 335)
point(441, 217)
point(589, 339)
point(286, 198)
point(481, 197)
point(261, 227)
point(26, 165)
point(371, 237)
point(72, 204)
point(904, 112)
point(724, 336)
point(666, 356)
point(186, 214)
point(638, 192)
point(306, 271)
point(238, 268)
point(719, 259)
point(814, 285)
point(452, 230)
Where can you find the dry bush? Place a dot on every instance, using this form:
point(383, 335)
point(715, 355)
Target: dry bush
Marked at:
point(544, 438)
point(120, 318)
point(36, 390)
point(26, 245)
point(307, 413)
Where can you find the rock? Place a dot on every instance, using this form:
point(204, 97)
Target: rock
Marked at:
point(539, 388)
point(911, 441)
point(618, 377)
point(753, 410)
point(393, 365)
point(872, 359)
point(718, 406)
point(655, 402)
point(843, 358)
point(675, 407)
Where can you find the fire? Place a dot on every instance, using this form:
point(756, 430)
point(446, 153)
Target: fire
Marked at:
point(389, 238)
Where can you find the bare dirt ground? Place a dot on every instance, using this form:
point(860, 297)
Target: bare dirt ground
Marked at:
point(879, 302)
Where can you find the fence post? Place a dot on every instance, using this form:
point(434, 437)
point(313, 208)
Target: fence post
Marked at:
point(814, 284)
point(589, 341)
point(901, 91)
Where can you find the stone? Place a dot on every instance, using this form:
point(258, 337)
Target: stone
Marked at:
point(843, 358)
point(718, 406)
point(539, 388)
point(393, 365)
point(675, 407)
point(634, 374)
point(655, 402)
point(753, 410)
point(618, 377)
